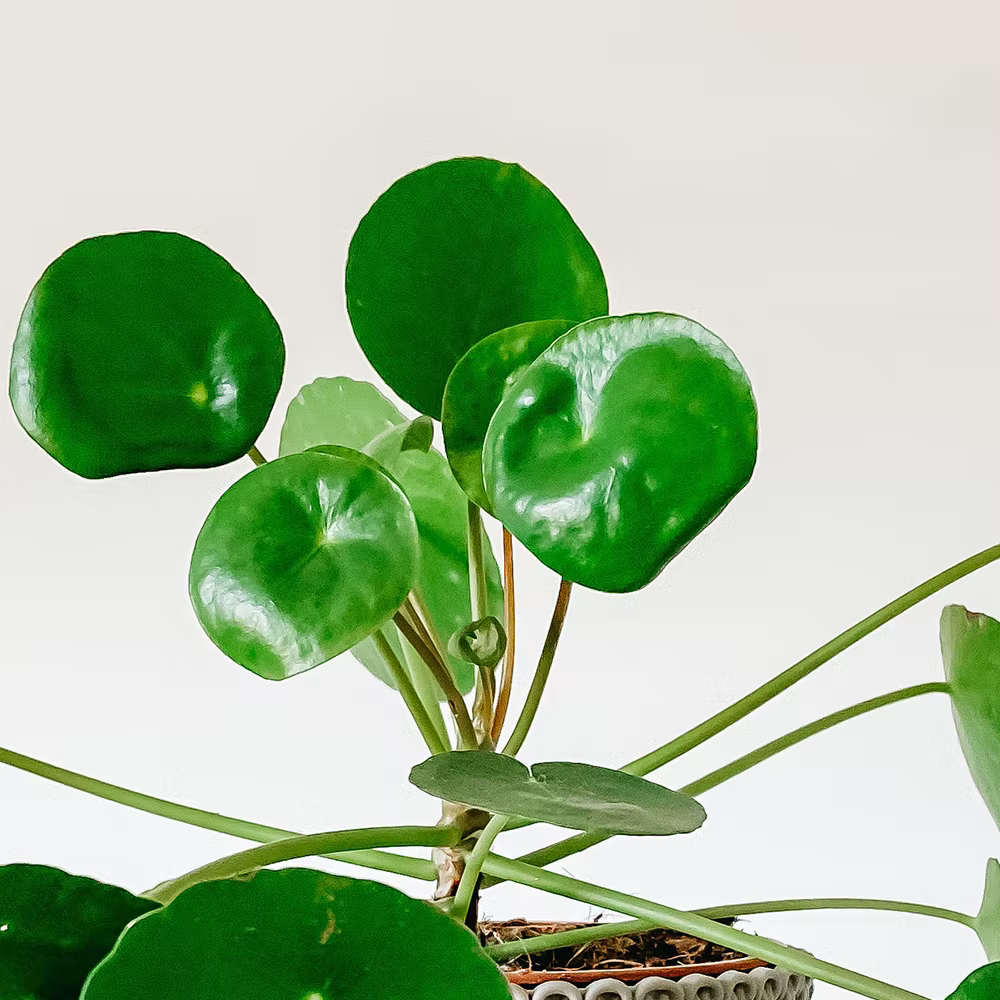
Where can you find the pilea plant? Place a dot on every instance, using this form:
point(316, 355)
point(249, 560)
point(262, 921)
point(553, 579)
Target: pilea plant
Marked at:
point(602, 443)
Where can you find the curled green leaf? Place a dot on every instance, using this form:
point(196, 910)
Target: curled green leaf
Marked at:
point(482, 643)
point(301, 559)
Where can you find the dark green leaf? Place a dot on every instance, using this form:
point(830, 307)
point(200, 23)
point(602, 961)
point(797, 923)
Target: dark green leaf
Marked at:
point(576, 796)
point(296, 934)
point(301, 559)
point(452, 253)
point(618, 445)
point(983, 984)
point(144, 351)
point(474, 390)
point(336, 411)
point(970, 645)
point(55, 927)
point(988, 918)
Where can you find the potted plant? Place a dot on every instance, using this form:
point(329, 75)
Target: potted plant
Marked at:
point(602, 443)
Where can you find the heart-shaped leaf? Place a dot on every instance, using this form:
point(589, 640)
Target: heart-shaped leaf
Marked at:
point(55, 927)
point(988, 918)
point(970, 646)
point(474, 390)
point(336, 411)
point(143, 351)
point(453, 252)
point(296, 934)
point(575, 796)
point(618, 445)
point(983, 984)
point(301, 559)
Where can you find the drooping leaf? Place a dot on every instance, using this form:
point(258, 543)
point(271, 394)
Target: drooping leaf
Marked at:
point(618, 445)
point(336, 411)
point(474, 390)
point(296, 934)
point(55, 927)
point(453, 252)
point(301, 559)
point(142, 351)
point(970, 646)
point(988, 918)
point(983, 984)
point(575, 796)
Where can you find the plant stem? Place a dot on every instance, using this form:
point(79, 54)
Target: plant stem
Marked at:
point(482, 708)
point(405, 687)
point(473, 867)
point(537, 688)
point(423, 680)
point(442, 675)
point(698, 925)
point(578, 937)
point(749, 703)
point(258, 458)
point(379, 860)
point(304, 847)
point(507, 676)
point(744, 763)
point(581, 841)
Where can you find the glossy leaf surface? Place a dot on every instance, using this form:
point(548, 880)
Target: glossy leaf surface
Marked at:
point(301, 559)
point(296, 934)
point(618, 445)
point(454, 252)
point(474, 390)
point(55, 927)
point(336, 411)
point(575, 796)
point(988, 918)
point(983, 984)
point(970, 645)
point(143, 351)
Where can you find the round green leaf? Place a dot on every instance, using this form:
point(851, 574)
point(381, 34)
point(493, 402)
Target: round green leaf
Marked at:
point(970, 645)
point(296, 934)
point(474, 390)
point(301, 559)
point(575, 796)
point(55, 927)
point(336, 411)
point(618, 445)
point(453, 252)
point(143, 351)
point(983, 984)
point(988, 919)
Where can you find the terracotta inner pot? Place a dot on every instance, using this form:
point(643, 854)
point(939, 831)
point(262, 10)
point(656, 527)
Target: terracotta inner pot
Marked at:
point(627, 958)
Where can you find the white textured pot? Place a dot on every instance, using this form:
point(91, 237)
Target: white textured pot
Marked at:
point(757, 984)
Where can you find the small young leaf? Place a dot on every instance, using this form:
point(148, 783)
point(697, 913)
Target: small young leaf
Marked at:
point(296, 934)
point(474, 390)
point(988, 918)
point(55, 927)
point(302, 558)
point(970, 646)
point(144, 351)
point(983, 984)
point(482, 643)
point(453, 252)
point(575, 796)
point(618, 445)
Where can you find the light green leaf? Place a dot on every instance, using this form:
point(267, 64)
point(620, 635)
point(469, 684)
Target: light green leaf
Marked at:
point(575, 796)
point(988, 918)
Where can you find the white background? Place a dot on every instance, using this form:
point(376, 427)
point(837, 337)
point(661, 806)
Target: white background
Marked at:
point(815, 182)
